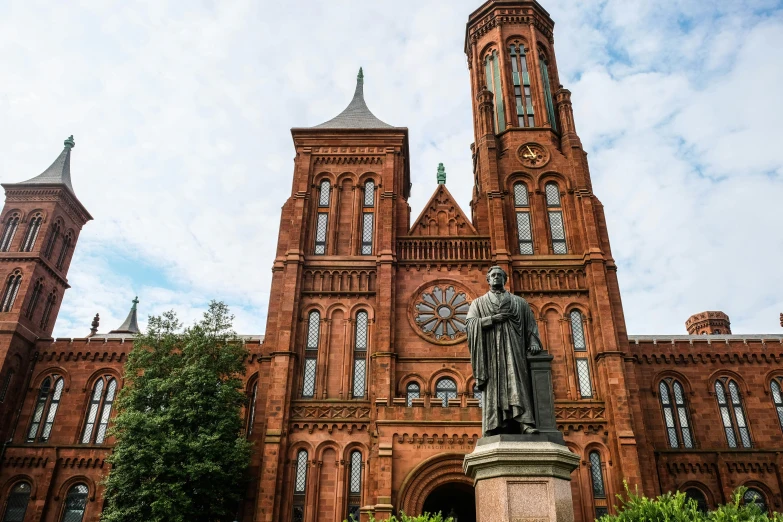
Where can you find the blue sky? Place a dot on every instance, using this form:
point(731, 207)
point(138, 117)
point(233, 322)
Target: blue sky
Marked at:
point(182, 112)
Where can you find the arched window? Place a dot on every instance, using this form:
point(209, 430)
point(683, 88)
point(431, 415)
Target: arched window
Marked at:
point(550, 106)
point(412, 392)
point(521, 78)
point(53, 236)
point(360, 356)
point(556, 225)
point(75, 503)
point(11, 224)
point(47, 311)
point(732, 412)
point(251, 409)
point(34, 298)
point(9, 377)
point(522, 209)
point(11, 290)
point(754, 496)
point(599, 488)
point(300, 487)
point(777, 397)
point(322, 218)
point(45, 409)
point(324, 193)
point(492, 69)
point(355, 486)
point(311, 354)
point(32, 232)
point(675, 413)
point(446, 390)
point(102, 399)
point(479, 395)
point(697, 495)
point(64, 251)
point(16, 506)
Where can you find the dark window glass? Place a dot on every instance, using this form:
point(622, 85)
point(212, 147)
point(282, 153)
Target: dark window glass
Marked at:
point(732, 413)
point(17, 503)
point(75, 502)
point(521, 78)
point(251, 414)
point(6, 384)
point(492, 69)
point(32, 233)
point(45, 410)
point(53, 235)
point(777, 398)
point(33, 304)
point(550, 106)
point(11, 290)
point(597, 475)
point(754, 496)
point(698, 496)
point(8, 233)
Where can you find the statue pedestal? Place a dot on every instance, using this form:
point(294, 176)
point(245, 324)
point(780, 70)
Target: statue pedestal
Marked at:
point(521, 478)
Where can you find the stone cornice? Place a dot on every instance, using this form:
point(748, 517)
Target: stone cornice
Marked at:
point(73, 207)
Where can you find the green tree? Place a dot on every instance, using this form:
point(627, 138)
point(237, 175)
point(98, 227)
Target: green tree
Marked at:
point(180, 454)
point(427, 517)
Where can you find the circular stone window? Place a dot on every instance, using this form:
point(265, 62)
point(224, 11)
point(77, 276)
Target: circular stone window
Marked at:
point(439, 312)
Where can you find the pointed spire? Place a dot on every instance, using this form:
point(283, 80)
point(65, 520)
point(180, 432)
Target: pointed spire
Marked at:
point(58, 173)
point(441, 174)
point(131, 324)
point(356, 115)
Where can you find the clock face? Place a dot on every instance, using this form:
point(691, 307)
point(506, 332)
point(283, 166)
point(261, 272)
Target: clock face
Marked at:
point(533, 155)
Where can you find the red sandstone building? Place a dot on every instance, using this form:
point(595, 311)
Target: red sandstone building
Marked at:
point(360, 397)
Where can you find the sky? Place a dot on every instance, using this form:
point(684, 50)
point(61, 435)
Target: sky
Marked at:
point(182, 111)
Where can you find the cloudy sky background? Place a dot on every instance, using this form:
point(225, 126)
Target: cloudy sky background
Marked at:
point(181, 113)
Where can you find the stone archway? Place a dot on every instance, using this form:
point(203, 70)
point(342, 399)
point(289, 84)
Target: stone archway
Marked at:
point(453, 499)
point(429, 476)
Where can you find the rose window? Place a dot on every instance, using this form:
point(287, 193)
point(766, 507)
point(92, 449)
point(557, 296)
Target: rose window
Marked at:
point(441, 312)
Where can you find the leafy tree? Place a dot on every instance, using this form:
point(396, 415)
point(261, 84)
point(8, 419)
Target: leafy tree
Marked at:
point(180, 454)
point(427, 517)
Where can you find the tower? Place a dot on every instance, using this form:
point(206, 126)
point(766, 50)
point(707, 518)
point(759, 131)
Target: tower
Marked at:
point(708, 323)
point(41, 221)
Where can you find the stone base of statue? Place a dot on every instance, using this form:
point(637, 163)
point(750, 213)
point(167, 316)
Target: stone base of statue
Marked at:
point(522, 478)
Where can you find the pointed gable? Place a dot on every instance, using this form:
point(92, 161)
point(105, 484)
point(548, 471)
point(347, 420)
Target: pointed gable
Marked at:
point(442, 216)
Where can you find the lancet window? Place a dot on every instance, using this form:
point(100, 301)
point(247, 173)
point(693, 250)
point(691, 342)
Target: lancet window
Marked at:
point(66, 246)
point(311, 354)
point(556, 225)
point(732, 413)
point(16, 506)
point(251, 408)
point(599, 485)
point(355, 485)
point(522, 210)
point(75, 503)
point(46, 405)
point(492, 70)
point(300, 487)
point(102, 399)
point(322, 217)
point(777, 397)
point(9, 377)
point(52, 241)
point(12, 285)
point(522, 92)
point(550, 106)
point(32, 232)
point(360, 355)
point(582, 362)
point(34, 298)
point(47, 312)
point(675, 413)
point(11, 224)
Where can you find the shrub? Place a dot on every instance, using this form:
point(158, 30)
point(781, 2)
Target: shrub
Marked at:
point(427, 517)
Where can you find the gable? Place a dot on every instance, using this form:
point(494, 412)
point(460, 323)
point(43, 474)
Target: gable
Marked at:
point(442, 216)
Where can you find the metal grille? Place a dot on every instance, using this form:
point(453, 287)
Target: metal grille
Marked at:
point(478, 394)
point(53, 405)
point(8, 236)
point(412, 393)
point(520, 195)
point(664, 391)
point(754, 496)
point(308, 383)
point(356, 472)
point(361, 331)
point(32, 234)
point(35, 423)
point(92, 412)
point(301, 472)
point(75, 503)
point(583, 374)
point(446, 389)
point(670, 429)
point(369, 193)
point(298, 515)
point(552, 195)
point(678, 394)
point(558, 232)
point(577, 331)
point(359, 370)
point(320, 234)
point(597, 475)
point(728, 427)
point(313, 330)
point(367, 224)
point(323, 195)
point(687, 439)
point(524, 233)
point(17, 503)
point(778, 400)
point(720, 393)
point(106, 411)
point(734, 391)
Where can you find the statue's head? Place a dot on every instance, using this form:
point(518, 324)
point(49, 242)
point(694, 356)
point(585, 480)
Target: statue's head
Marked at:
point(496, 277)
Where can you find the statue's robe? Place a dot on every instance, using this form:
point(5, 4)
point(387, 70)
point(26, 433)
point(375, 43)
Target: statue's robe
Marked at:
point(498, 354)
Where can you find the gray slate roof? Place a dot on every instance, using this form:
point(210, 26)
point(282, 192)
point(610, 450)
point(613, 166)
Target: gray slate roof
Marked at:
point(131, 324)
point(59, 173)
point(356, 115)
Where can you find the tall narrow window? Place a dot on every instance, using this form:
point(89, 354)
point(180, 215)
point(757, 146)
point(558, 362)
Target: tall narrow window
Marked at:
point(64, 251)
point(300, 487)
point(583, 377)
point(369, 193)
point(492, 68)
point(777, 398)
point(52, 241)
point(754, 496)
point(355, 486)
point(11, 290)
point(11, 224)
point(550, 106)
point(75, 503)
point(102, 400)
point(45, 409)
point(446, 390)
point(34, 298)
point(321, 226)
point(597, 479)
point(521, 78)
point(577, 331)
point(17, 502)
point(367, 226)
point(522, 209)
point(323, 193)
point(311, 354)
point(9, 377)
point(360, 356)
point(251, 414)
point(32, 233)
point(50, 302)
point(556, 226)
point(732, 413)
point(412, 392)
point(675, 413)
point(478, 395)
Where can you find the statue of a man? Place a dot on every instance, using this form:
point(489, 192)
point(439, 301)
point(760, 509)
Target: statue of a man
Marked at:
point(501, 332)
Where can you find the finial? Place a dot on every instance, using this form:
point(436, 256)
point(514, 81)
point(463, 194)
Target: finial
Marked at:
point(441, 174)
point(360, 76)
point(69, 142)
point(94, 326)
point(135, 302)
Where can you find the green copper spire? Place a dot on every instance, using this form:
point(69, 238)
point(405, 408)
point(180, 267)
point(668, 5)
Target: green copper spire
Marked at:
point(360, 76)
point(135, 302)
point(69, 143)
point(441, 174)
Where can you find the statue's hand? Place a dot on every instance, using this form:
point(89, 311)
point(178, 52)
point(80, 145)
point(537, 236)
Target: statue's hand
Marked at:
point(535, 349)
point(500, 318)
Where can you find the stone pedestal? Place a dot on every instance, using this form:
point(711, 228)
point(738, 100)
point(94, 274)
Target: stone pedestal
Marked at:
point(521, 478)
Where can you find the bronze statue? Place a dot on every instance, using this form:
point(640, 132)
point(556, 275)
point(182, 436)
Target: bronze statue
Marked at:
point(502, 331)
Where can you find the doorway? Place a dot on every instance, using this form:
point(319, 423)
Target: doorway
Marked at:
point(452, 499)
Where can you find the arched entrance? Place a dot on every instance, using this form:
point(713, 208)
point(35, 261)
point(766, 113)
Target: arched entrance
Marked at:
point(453, 499)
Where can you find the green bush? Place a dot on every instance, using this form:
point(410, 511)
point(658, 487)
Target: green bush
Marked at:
point(676, 507)
point(427, 517)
